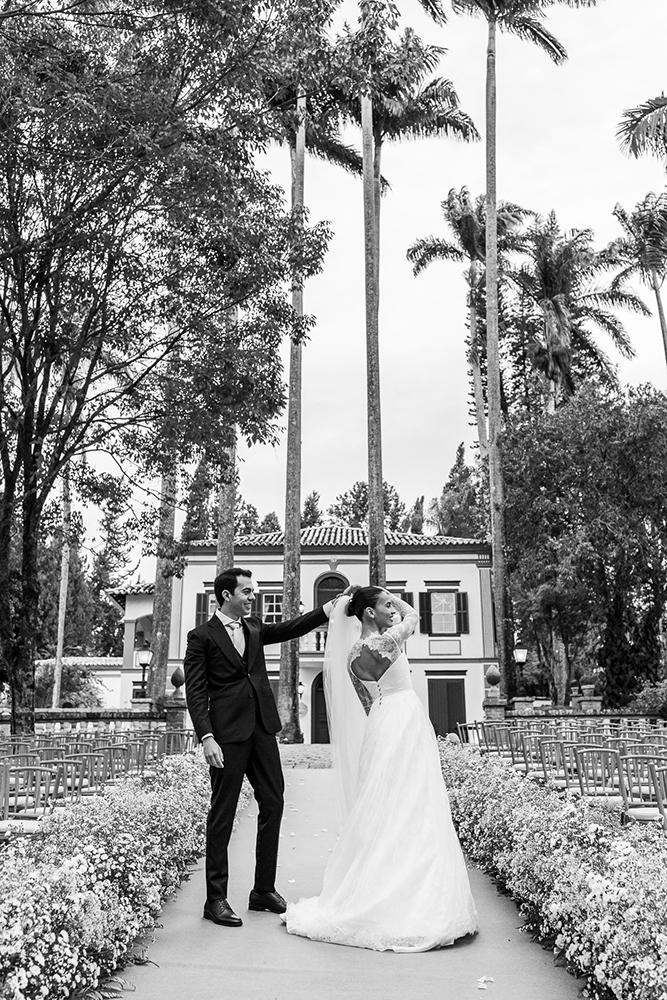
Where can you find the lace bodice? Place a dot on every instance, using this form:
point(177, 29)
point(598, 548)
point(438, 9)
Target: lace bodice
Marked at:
point(388, 644)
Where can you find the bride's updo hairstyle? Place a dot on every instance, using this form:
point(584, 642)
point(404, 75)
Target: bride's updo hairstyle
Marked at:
point(362, 598)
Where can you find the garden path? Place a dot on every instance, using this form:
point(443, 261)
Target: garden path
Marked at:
point(197, 960)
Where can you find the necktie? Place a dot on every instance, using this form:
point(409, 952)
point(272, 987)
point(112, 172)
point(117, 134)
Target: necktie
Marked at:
point(236, 632)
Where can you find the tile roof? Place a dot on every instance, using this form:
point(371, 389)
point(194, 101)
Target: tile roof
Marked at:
point(342, 536)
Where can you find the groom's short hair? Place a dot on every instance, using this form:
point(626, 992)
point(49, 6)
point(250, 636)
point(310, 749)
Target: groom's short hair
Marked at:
point(228, 580)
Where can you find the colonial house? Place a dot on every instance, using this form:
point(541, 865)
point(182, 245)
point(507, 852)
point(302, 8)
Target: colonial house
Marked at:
point(447, 579)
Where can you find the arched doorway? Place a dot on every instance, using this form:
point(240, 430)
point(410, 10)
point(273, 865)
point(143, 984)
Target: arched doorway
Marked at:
point(328, 587)
point(319, 730)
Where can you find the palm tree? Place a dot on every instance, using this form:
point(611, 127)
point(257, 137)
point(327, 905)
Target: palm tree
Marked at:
point(644, 129)
point(376, 20)
point(643, 248)
point(302, 122)
point(523, 18)
point(467, 224)
point(561, 276)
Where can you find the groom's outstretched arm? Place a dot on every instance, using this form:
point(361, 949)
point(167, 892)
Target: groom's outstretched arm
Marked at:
point(282, 631)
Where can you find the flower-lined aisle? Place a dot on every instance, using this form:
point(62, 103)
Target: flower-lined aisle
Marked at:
point(596, 889)
point(74, 898)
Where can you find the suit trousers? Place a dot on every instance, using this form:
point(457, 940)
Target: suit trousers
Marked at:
point(259, 758)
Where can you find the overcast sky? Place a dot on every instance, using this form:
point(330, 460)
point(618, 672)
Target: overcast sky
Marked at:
point(556, 150)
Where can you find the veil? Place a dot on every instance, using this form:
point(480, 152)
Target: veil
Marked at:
point(345, 713)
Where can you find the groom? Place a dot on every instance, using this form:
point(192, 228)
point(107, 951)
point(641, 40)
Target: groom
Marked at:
point(235, 717)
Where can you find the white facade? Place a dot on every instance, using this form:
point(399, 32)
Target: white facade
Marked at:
point(448, 655)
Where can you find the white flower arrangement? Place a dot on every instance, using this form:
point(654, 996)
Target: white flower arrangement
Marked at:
point(597, 890)
point(75, 897)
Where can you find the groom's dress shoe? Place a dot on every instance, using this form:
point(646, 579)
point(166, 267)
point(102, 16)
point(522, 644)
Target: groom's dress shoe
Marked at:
point(220, 912)
point(271, 901)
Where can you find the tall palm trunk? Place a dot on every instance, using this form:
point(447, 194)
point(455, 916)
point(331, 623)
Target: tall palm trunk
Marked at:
point(164, 573)
point(64, 581)
point(493, 355)
point(288, 690)
point(376, 543)
point(661, 311)
point(473, 358)
point(224, 555)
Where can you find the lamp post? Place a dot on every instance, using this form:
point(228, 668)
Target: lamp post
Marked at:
point(301, 688)
point(144, 658)
point(520, 657)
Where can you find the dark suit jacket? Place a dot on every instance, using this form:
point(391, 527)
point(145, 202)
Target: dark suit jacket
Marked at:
point(222, 688)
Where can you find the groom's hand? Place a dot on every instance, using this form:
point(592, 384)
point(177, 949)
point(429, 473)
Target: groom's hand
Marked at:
point(213, 753)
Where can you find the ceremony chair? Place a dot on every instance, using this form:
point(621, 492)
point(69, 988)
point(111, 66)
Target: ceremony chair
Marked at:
point(27, 792)
point(559, 764)
point(600, 775)
point(468, 733)
point(94, 769)
point(641, 805)
point(659, 781)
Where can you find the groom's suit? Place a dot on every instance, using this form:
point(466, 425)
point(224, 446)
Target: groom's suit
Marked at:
point(229, 695)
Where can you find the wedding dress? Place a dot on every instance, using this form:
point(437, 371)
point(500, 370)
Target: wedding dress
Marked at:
point(397, 879)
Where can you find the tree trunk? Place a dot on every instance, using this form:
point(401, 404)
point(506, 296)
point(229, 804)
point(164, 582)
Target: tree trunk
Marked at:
point(376, 542)
point(22, 663)
point(480, 408)
point(64, 581)
point(164, 574)
point(288, 689)
point(224, 556)
point(377, 205)
point(493, 362)
point(661, 311)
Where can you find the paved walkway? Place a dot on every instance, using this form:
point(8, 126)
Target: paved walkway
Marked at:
point(196, 960)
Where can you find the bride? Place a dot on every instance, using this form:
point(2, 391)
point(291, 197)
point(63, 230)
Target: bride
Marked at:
point(396, 879)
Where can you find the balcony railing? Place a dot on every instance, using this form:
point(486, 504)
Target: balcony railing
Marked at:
point(313, 642)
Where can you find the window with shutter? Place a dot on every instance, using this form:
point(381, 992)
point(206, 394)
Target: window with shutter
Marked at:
point(425, 613)
point(201, 609)
point(443, 612)
point(462, 617)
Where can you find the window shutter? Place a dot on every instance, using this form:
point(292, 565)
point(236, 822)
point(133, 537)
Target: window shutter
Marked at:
point(425, 613)
point(408, 597)
point(201, 609)
point(462, 618)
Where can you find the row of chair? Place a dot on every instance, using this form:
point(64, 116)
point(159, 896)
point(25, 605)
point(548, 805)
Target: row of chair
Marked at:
point(38, 775)
point(627, 772)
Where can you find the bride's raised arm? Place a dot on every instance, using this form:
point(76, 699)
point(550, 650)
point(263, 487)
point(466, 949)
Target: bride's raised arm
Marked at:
point(410, 619)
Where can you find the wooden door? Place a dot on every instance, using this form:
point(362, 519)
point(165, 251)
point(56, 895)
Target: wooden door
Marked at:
point(446, 703)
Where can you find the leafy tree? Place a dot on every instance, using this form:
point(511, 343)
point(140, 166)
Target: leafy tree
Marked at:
point(561, 275)
point(312, 515)
point(133, 215)
point(79, 687)
point(269, 522)
point(587, 536)
point(460, 509)
point(246, 517)
point(466, 223)
point(80, 602)
point(414, 519)
point(112, 563)
point(642, 250)
point(523, 18)
point(351, 508)
point(644, 129)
